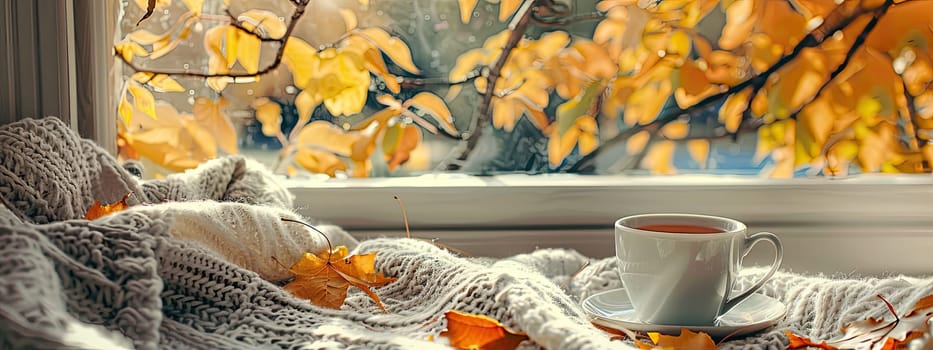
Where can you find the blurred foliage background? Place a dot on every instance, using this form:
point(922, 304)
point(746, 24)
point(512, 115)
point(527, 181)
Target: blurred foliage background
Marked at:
point(359, 88)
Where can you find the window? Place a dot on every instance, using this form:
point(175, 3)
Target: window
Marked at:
point(722, 93)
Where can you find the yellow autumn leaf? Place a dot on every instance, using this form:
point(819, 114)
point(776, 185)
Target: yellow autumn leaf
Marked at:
point(263, 22)
point(320, 162)
point(143, 99)
point(210, 115)
point(636, 143)
point(398, 142)
point(507, 8)
point(248, 48)
point(125, 110)
point(306, 102)
point(195, 6)
point(392, 46)
point(732, 110)
point(466, 9)
point(693, 85)
point(676, 130)
point(162, 82)
point(349, 19)
point(342, 81)
point(128, 50)
point(660, 158)
point(326, 136)
point(699, 151)
point(301, 60)
point(269, 115)
point(741, 16)
point(373, 61)
point(436, 108)
point(645, 103)
point(560, 145)
point(230, 45)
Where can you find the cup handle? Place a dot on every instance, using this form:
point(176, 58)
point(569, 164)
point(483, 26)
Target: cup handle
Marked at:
point(750, 242)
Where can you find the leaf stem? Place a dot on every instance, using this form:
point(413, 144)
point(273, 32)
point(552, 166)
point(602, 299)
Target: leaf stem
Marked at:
point(404, 216)
point(330, 247)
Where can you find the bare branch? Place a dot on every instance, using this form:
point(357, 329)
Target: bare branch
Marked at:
point(518, 26)
point(239, 25)
point(566, 21)
point(300, 6)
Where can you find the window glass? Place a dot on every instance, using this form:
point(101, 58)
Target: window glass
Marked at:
point(375, 88)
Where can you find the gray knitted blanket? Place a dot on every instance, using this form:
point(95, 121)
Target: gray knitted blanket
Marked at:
point(189, 266)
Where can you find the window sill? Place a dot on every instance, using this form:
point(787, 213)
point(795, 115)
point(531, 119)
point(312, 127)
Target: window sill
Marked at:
point(865, 225)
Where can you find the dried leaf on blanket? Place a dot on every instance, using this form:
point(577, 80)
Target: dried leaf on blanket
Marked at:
point(97, 210)
point(686, 340)
point(324, 278)
point(469, 331)
point(874, 333)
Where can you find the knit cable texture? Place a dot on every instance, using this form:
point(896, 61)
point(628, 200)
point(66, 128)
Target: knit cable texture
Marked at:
point(187, 269)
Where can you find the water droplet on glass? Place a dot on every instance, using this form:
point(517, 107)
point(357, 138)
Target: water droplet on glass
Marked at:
point(191, 92)
point(411, 30)
point(442, 17)
point(191, 100)
point(291, 90)
point(198, 27)
point(282, 19)
point(471, 38)
point(427, 17)
point(249, 92)
point(186, 66)
point(165, 11)
point(380, 13)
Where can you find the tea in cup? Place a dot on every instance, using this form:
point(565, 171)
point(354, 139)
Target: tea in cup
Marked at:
point(680, 269)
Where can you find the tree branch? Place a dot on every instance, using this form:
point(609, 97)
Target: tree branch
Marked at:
point(856, 44)
point(834, 23)
point(300, 6)
point(239, 25)
point(410, 82)
point(566, 21)
point(518, 26)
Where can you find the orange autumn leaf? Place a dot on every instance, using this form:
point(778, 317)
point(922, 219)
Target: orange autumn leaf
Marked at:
point(398, 143)
point(468, 331)
point(324, 278)
point(98, 210)
point(686, 340)
point(872, 333)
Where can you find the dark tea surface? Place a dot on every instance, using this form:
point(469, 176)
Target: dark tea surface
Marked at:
point(680, 229)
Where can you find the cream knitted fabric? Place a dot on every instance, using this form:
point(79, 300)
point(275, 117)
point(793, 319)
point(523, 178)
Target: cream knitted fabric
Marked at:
point(194, 275)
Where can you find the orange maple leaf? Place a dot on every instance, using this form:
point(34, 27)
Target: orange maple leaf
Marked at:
point(871, 332)
point(686, 340)
point(469, 331)
point(324, 278)
point(98, 210)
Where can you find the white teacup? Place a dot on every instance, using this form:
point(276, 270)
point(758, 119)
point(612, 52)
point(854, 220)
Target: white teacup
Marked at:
point(680, 269)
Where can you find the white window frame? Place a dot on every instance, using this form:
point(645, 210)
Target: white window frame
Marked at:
point(866, 224)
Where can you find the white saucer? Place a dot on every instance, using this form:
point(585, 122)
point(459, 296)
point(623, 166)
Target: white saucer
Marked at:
point(614, 310)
